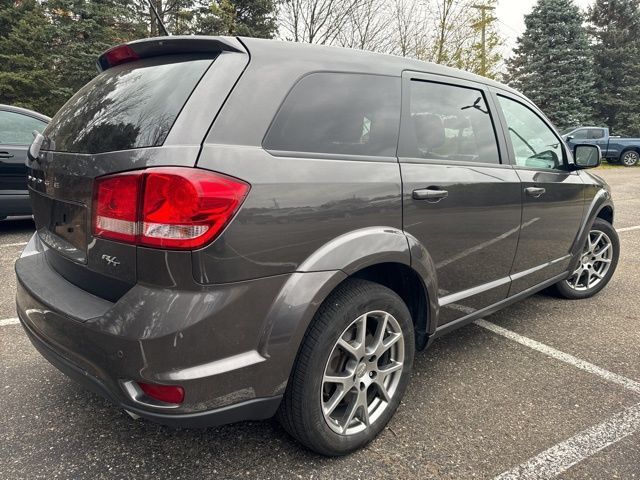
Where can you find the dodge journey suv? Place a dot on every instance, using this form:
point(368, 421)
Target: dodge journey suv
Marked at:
point(232, 229)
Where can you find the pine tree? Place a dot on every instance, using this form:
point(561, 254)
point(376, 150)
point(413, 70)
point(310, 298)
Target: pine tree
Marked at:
point(177, 15)
point(25, 65)
point(8, 15)
point(553, 64)
point(249, 18)
point(615, 27)
point(83, 30)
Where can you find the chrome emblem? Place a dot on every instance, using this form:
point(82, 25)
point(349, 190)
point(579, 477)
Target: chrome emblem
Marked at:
point(111, 261)
point(47, 183)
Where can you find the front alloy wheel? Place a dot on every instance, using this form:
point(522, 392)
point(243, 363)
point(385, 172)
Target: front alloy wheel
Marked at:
point(352, 369)
point(594, 263)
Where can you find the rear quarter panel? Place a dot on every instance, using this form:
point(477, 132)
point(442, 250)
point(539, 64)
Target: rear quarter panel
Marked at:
point(295, 206)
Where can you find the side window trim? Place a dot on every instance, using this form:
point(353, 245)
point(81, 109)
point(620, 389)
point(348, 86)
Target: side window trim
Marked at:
point(410, 75)
point(568, 158)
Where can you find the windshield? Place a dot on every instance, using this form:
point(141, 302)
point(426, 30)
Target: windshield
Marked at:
point(129, 106)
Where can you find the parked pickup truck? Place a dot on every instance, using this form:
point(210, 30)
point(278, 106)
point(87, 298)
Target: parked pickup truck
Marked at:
point(614, 149)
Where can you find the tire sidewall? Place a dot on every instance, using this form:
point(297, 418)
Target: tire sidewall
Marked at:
point(378, 298)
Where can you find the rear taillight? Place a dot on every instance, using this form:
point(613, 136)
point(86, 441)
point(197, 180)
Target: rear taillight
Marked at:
point(115, 212)
point(168, 207)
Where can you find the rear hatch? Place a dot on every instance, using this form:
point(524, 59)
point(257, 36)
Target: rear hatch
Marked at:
point(151, 105)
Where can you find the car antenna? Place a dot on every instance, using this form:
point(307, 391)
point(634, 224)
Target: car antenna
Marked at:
point(160, 22)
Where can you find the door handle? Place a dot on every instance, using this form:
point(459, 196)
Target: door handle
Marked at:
point(535, 192)
point(430, 194)
point(5, 155)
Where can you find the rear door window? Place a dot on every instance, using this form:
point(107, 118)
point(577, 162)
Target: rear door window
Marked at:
point(596, 133)
point(17, 129)
point(129, 106)
point(449, 123)
point(339, 113)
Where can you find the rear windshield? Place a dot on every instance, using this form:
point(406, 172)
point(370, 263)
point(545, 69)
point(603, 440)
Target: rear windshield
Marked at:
point(129, 106)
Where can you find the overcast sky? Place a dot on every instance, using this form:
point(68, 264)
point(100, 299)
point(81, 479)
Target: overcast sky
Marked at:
point(511, 14)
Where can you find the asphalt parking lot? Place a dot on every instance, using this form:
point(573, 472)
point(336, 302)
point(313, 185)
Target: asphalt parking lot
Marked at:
point(546, 388)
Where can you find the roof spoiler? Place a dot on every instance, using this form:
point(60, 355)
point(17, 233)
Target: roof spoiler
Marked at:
point(154, 47)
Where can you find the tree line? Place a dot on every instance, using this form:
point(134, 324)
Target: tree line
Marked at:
point(48, 47)
point(580, 68)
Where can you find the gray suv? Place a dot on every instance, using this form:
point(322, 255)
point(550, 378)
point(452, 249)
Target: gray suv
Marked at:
point(232, 228)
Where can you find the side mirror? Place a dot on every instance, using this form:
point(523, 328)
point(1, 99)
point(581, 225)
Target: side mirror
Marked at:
point(569, 138)
point(586, 156)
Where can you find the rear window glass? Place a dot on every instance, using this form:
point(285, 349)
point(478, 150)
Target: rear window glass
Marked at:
point(339, 113)
point(129, 106)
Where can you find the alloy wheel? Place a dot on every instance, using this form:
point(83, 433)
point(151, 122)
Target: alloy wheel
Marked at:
point(630, 158)
point(362, 373)
point(595, 262)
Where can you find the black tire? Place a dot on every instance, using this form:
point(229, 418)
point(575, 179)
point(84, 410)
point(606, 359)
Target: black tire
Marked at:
point(630, 158)
point(564, 290)
point(300, 412)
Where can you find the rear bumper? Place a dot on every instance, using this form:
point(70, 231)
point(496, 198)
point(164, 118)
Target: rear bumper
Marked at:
point(257, 409)
point(14, 204)
point(102, 345)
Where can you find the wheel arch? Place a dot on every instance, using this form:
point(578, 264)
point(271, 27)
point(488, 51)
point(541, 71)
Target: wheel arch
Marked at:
point(606, 213)
point(379, 254)
point(392, 258)
point(409, 286)
point(635, 148)
point(601, 206)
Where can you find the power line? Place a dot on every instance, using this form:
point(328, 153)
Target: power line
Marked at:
point(508, 26)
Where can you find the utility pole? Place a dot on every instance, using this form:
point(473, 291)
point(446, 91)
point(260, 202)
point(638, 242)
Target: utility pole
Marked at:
point(483, 24)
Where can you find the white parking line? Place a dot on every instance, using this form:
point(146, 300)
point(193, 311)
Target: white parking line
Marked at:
point(561, 457)
point(627, 229)
point(9, 321)
point(563, 357)
point(20, 244)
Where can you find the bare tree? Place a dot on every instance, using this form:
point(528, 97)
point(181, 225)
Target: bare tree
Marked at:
point(408, 29)
point(454, 25)
point(366, 27)
point(441, 31)
point(315, 21)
